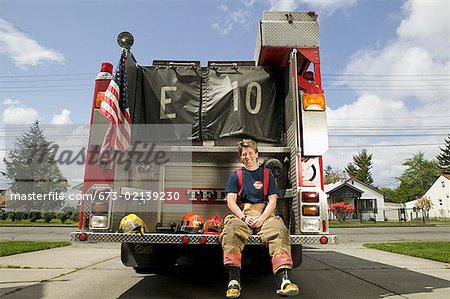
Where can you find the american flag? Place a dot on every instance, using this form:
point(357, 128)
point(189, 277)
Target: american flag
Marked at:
point(115, 108)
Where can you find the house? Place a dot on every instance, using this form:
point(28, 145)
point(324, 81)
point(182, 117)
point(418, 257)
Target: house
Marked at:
point(4, 186)
point(367, 201)
point(439, 194)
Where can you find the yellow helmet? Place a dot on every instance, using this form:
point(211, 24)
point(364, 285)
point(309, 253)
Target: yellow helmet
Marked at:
point(132, 224)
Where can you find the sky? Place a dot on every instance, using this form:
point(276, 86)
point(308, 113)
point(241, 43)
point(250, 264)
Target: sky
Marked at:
point(385, 64)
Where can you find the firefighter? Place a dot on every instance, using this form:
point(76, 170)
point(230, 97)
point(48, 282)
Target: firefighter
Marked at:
point(256, 216)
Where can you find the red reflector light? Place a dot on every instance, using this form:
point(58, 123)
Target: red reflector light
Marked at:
point(185, 239)
point(310, 197)
point(324, 226)
point(106, 67)
point(202, 240)
point(83, 237)
point(309, 76)
point(323, 240)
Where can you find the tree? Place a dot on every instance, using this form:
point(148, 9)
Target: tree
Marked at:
point(360, 167)
point(389, 194)
point(444, 156)
point(417, 178)
point(34, 173)
point(425, 204)
point(332, 176)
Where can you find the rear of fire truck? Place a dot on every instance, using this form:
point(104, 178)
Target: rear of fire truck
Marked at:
point(186, 121)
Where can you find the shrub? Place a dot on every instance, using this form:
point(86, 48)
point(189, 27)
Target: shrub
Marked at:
point(75, 216)
point(12, 216)
point(35, 216)
point(340, 210)
point(64, 217)
point(48, 216)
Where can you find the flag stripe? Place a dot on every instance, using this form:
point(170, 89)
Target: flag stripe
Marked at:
point(115, 108)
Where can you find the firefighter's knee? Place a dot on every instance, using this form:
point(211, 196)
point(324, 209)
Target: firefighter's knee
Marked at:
point(274, 229)
point(235, 233)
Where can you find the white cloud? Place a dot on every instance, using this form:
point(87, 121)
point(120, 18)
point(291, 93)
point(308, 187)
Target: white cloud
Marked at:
point(23, 49)
point(240, 17)
point(427, 25)
point(223, 7)
point(10, 102)
point(15, 113)
point(402, 93)
point(62, 118)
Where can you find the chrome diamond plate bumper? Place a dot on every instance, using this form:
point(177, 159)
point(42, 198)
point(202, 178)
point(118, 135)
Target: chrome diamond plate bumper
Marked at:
point(193, 238)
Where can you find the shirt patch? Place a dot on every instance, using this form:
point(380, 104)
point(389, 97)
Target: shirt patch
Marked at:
point(258, 185)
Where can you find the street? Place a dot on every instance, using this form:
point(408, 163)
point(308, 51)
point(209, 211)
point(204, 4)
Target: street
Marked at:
point(346, 270)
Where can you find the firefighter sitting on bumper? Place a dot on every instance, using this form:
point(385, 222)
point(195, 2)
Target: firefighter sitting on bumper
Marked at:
point(257, 215)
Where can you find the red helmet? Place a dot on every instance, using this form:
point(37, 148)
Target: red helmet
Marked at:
point(192, 223)
point(213, 225)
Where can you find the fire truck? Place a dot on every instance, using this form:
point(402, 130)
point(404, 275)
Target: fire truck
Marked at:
point(186, 121)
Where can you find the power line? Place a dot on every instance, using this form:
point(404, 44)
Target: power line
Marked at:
point(48, 75)
point(385, 75)
point(400, 117)
point(386, 145)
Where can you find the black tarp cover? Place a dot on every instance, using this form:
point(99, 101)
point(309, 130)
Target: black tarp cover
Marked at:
point(215, 102)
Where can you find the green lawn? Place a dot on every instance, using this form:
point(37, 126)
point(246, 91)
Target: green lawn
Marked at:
point(15, 247)
point(38, 222)
point(437, 251)
point(353, 223)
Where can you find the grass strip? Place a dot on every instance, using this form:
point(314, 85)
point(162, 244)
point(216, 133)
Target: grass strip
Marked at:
point(39, 222)
point(15, 247)
point(436, 251)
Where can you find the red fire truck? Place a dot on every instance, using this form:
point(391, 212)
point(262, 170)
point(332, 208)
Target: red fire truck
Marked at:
point(186, 120)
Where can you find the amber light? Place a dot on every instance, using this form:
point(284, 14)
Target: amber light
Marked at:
point(99, 98)
point(313, 101)
point(310, 210)
point(100, 207)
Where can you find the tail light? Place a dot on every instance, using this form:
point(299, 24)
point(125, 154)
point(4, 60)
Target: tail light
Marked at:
point(310, 197)
point(101, 205)
point(202, 240)
point(324, 226)
point(184, 239)
point(310, 211)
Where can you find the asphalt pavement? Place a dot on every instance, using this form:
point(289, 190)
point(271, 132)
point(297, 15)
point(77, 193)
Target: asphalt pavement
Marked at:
point(347, 270)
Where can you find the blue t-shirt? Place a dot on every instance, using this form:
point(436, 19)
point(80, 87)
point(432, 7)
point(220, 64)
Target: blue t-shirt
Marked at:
point(252, 189)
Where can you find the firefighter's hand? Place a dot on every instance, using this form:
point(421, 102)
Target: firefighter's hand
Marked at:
point(259, 221)
point(250, 220)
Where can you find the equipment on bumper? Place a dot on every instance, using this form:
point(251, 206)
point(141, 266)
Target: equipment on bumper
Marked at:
point(131, 224)
point(192, 223)
point(213, 226)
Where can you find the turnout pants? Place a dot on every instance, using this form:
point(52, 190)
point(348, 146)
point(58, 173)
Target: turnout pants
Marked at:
point(273, 233)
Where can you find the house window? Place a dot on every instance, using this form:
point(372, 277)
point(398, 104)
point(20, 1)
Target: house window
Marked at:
point(367, 205)
point(440, 202)
point(443, 184)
